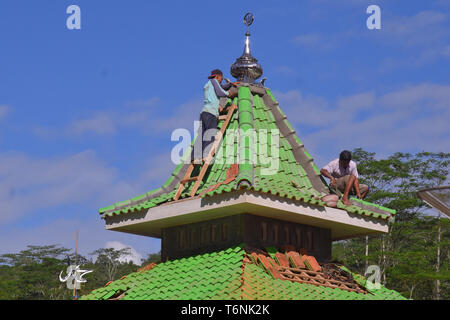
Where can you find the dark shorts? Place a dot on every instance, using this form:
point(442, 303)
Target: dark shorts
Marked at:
point(342, 182)
point(208, 122)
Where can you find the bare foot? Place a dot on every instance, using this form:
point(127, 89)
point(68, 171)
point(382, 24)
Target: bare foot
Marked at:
point(346, 202)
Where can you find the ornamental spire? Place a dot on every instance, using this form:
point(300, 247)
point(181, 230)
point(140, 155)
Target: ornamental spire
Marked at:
point(246, 68)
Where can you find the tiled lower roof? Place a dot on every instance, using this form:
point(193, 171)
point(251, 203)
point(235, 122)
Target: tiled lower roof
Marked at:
point(297, 178)
point(227, 275)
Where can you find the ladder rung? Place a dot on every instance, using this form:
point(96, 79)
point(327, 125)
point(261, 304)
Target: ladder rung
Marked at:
point(223, 117)
point(189, 179)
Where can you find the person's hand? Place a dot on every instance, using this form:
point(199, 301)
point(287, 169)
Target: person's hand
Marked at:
point(333, 182)
point(235, 83)
point(232, 94)
point(359, 196)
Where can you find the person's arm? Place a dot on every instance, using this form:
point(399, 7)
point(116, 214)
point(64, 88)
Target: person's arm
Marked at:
point(356, 185)
point(230, 84)
point(325, 173)
point(220, 92)
point(354, 172)
point(226, 86)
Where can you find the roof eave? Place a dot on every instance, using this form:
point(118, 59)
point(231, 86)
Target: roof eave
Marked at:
point(150, 222)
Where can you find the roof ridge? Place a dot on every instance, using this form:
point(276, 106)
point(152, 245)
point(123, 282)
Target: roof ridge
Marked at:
point(245, 177)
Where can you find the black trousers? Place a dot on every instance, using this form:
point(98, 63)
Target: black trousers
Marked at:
point(208, 125)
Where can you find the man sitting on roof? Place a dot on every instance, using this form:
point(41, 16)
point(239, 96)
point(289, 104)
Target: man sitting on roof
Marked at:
point(343, 176)
point(213, 91)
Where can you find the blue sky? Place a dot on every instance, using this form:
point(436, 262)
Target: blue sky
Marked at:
point(86, 115)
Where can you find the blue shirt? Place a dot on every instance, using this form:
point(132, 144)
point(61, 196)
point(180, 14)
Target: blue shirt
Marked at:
point(213, 91)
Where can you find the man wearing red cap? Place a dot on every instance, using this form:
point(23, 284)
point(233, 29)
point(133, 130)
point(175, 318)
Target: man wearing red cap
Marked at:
point(213, 91)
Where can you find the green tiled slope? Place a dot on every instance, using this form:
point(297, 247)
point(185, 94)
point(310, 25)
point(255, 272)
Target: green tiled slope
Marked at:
point(222, 275)
point(203, 277)
point(291, 180)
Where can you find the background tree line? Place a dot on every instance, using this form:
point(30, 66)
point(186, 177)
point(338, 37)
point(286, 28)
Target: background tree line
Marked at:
point(33, 273)
point(413, 256)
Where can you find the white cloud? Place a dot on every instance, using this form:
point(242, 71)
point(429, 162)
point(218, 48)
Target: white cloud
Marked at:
point(285, 70)
point(159, 168)
point(29, 184)
point(417, 29)
point(134, 256)
point(145, 116)
point(357, 102)
point(310, 39)
point(4, 110)
point(442, 3)
point(410, 119)
point(101, 123)
point(446, 51)
point(317, 111)
point(324, 41)
point(424, 35)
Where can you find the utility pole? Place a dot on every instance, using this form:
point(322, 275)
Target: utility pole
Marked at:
point(75, 279)
point(438, 262)
point(384, 260)
point(367, 252)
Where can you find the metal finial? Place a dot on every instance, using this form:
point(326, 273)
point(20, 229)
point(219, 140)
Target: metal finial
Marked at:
point(246, 68)
point(248, 19)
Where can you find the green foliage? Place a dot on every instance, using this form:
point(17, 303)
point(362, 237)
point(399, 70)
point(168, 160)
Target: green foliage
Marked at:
point(394, 181)
point(33, 273)
point(407, 255)
point(152, 257)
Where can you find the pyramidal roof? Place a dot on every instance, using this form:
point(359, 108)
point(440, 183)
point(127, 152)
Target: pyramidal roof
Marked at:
point(261, 167)
point(241, 273)
point(296, 177)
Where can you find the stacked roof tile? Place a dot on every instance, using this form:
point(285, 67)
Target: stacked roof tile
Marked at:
point(297, 176)
point(231, 274)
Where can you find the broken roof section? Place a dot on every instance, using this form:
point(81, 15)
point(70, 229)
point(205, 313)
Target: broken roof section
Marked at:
point(235, 274)
point(297, 177)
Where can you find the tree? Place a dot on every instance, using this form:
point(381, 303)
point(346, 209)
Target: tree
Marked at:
point(33, 273)
point(108, 260)
point(407, 254)
point(152, 257)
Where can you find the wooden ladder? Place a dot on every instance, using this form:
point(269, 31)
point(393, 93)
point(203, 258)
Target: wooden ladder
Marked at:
point(198, 179)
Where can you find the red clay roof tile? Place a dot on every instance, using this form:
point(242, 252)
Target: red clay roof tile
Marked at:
point(311, 263)
point(272, 262)
point(148, 267)
point(295, 259)
point(264, 261)
point(282, 259)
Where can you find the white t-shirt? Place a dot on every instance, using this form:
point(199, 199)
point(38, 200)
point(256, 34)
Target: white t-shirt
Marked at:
point(337, 171)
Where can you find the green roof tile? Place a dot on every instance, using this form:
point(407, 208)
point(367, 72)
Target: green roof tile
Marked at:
point(252, 113)
point(219, 277)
